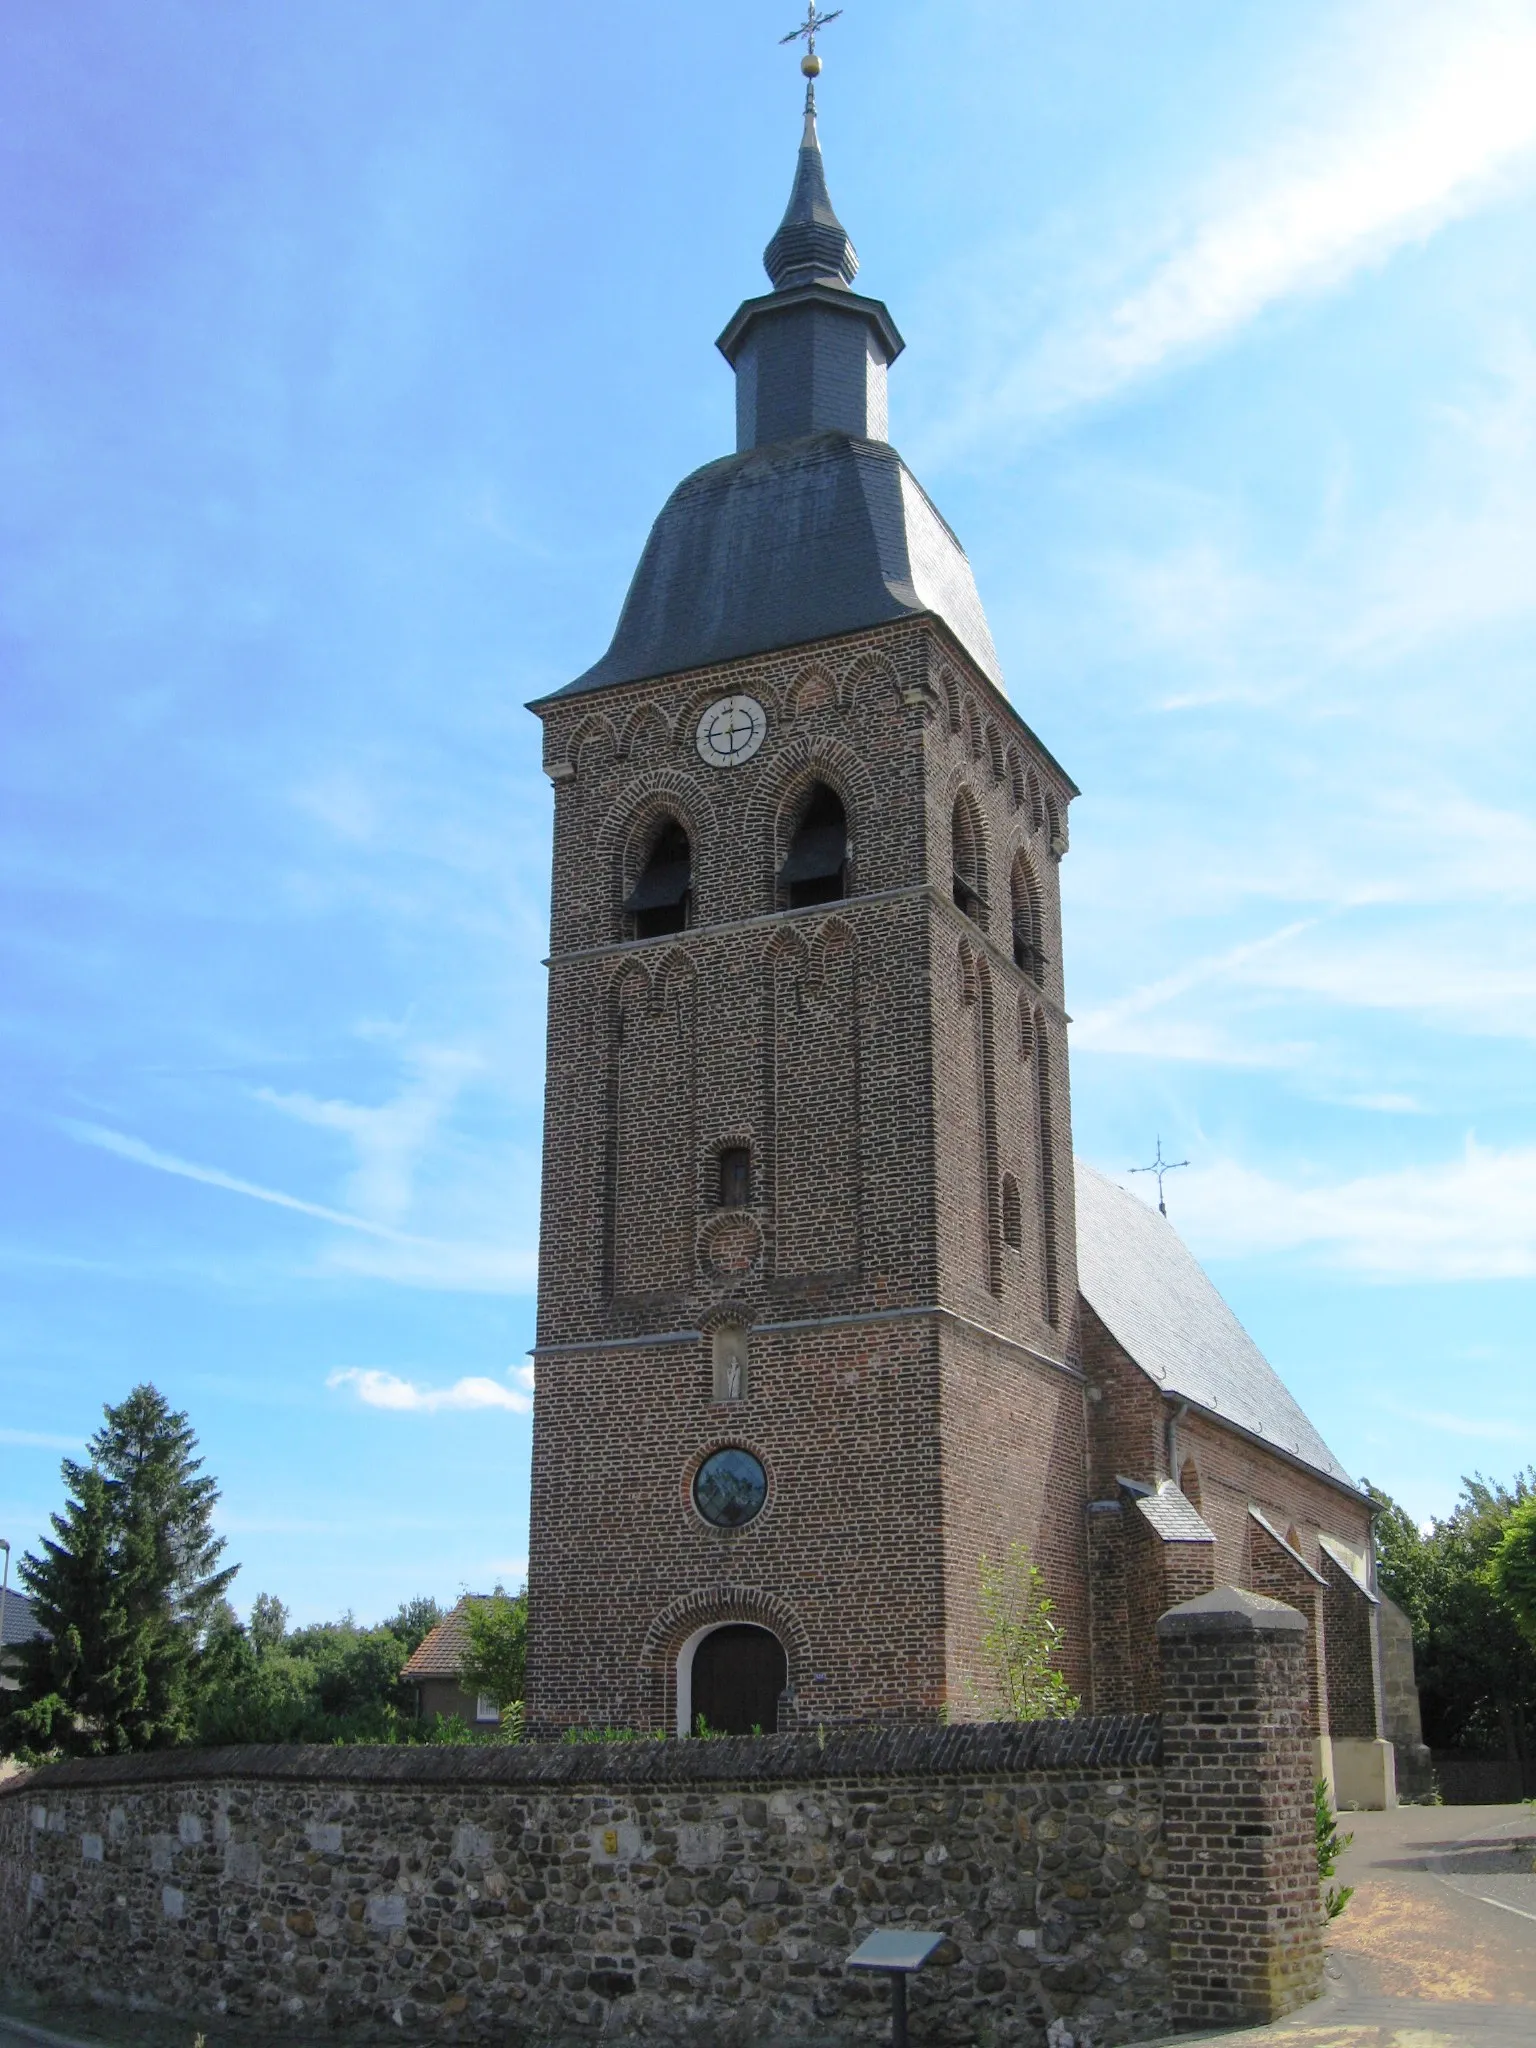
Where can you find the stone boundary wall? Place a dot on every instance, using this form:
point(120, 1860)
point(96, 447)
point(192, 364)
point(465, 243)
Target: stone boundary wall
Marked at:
point(701, 1895)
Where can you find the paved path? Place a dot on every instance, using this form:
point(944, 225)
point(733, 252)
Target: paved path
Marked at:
point(1437, 1949)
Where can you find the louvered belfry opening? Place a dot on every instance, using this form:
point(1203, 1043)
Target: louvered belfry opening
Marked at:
point(658, 903)
point(816, 870)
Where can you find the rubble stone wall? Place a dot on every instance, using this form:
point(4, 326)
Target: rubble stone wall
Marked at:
point(687, 1893)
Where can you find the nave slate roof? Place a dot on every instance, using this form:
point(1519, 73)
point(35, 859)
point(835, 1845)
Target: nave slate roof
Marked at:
point(1149, 1292)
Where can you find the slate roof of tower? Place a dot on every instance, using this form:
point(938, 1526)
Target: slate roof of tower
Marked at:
point(800, 539)
point(1153, 1297)
point(811, 245)
point(796, 541)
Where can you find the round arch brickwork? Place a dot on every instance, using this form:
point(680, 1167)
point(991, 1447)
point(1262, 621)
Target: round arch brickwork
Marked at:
point(594, 736)
point(871, 677)
point(639, 806)
point(708, 1606)
point(647, 730)
point(790, 773)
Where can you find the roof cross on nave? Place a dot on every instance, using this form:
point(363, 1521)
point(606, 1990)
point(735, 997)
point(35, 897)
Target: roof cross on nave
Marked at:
point(1161, 1166)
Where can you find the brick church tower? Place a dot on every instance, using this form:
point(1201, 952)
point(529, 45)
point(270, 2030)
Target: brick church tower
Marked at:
point(807, 1273)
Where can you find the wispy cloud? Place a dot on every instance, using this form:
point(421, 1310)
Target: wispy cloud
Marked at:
point(1466, 1218)
point(1119, 1026)
point(473, 1265)
point(125, 1147)
point(377, 1389)
point(1407, 116)
point(40, 1440)
point(390, 1137)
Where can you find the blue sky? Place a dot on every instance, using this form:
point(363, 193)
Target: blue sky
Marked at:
point(346, 354)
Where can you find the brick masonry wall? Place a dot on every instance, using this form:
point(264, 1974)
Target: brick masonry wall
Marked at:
point(1245, 1924)
point(1012, 1431)
point(1350, 1628)
point(1281, 1574)
point(887, 1062)
point(1235, 1473)
point(838, 1415)
point(1127, 1418)
point(700, 1895)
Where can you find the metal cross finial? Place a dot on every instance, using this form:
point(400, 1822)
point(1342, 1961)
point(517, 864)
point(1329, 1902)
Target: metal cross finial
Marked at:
point(807, 33)
point(1160, 1166)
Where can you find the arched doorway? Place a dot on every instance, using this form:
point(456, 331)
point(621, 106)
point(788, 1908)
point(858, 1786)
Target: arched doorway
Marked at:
point(738, 1673)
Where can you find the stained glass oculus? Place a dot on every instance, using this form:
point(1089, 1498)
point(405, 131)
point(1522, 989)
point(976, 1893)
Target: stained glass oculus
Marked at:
point(729, 1488)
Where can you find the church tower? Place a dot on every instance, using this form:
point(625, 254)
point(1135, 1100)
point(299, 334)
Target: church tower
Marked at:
point(807, 1268)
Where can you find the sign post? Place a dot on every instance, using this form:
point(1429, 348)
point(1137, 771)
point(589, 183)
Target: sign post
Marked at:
point(899, 1952)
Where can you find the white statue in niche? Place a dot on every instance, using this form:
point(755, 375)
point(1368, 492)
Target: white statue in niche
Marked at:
point(730, 1347)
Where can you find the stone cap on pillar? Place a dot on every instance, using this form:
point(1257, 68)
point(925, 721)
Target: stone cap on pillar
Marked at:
point(1231, 1611)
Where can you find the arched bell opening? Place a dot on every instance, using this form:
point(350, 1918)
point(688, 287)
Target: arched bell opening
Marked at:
point(815, 869)
point(660, 899)
point(732, 1674)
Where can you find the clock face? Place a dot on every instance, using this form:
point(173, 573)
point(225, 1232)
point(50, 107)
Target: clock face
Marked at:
point(731, 731)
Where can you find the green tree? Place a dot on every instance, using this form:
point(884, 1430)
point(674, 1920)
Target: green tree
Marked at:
point(331, 1682)
point(1020, 1643)
point(82, 1685)
point(1475, 1667)
point(269, 1623)
point(497, 1631)
point(128, 1590)
point(414, 1620)
point(1512, 1567)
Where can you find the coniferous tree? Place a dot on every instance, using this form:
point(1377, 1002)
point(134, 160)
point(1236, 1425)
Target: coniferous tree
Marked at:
point(128, 1591)
point(82, 1683)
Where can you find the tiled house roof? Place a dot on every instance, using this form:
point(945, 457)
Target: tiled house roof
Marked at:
point(1158, 1303)
point(17, 1621)
point(441, 1654)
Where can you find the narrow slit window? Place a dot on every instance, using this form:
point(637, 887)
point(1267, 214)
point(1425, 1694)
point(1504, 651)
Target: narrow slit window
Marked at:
point(1028, 953)
point(816, 870)
point(658, 903)
point(1013, 1220)
point(735, 1177)
point(968, 885)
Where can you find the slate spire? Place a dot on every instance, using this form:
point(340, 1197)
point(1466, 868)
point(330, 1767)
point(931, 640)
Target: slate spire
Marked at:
point(812, 245)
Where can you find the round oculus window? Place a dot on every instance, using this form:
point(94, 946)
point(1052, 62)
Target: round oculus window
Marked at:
point(730, 1488)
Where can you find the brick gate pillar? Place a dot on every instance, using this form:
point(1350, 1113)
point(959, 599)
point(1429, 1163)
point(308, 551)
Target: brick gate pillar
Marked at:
point(1245, 1923)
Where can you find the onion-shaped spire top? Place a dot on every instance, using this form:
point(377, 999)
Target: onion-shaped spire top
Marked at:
point(812, 245)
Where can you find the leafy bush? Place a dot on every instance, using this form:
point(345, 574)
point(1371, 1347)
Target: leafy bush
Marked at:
point(1330, 1847)
point(1512, 1567)
point(1020, 1644)
point(497, 1628)
point(1475, 1660)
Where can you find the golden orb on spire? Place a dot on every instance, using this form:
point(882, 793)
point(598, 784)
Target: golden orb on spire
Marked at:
point(807, 33)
